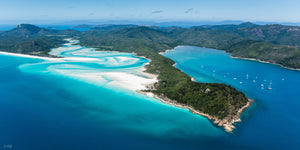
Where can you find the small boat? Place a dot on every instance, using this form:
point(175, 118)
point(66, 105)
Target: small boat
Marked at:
point(271, 82)
point(247, 76)
point(241, 82)
point(269, 88)
point(254, 81)
point(282, 79)
point(234, 78)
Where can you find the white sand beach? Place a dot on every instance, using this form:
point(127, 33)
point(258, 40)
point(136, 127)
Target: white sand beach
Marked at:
point(28, 56)
point(112, 79)
point(127, 80)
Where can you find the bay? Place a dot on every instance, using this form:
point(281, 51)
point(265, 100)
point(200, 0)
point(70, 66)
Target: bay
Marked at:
point(44, 108)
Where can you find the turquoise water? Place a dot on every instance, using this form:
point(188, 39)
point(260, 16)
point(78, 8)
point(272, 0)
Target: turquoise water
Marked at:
point(274, 119)
point(45, 105)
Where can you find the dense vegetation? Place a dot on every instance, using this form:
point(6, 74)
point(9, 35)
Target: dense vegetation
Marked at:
point(273, 43)
point(30, 39)
point(215, 99)
point(284, 55)
point(276, 34)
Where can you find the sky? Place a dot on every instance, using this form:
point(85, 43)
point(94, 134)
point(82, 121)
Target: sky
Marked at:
point(151, 10)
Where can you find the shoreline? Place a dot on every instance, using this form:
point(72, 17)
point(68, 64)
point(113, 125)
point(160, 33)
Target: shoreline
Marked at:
point(262, 61)
point(47, 58)
point(27, 55)
point(123, 80)
point(161, 53)
point(236, 57)
point(227, 124)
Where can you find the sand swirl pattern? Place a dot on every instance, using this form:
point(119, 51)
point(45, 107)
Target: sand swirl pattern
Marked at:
point(109, 69)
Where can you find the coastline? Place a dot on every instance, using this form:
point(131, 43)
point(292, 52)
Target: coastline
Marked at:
point(27, 55)
point(236, 57)
point(161, 53)
point(124, 80)
point(262, 61)
point(227, 124)
point(46, 58)
point(137, 83)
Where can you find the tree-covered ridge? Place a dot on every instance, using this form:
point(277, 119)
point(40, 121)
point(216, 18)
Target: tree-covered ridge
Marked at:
point(243, 40)
point(30, 39)
point(271, 33)
point(159, 39)
point(287, 56)
point(217, 100)
point(276, 34)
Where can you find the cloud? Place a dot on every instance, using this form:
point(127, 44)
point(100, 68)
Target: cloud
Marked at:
point(188, 10)
point(157, 11)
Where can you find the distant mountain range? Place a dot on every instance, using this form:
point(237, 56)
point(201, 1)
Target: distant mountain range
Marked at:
point(30, 39)
point(168, 23)
point(274, 43)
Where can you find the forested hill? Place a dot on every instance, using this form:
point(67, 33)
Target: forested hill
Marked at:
point(218, 100)
point(30, 39)
point(273, 43)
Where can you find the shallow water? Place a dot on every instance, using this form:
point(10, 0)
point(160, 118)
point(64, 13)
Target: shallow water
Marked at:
point(46, 105)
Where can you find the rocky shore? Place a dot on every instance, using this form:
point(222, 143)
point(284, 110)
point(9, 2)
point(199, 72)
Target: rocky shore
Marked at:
point(227, 123)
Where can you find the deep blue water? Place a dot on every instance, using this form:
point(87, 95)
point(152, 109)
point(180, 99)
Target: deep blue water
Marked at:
point(54, 111)
point(274, 119)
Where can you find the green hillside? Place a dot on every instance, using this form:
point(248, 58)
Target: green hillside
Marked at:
point(273, 43)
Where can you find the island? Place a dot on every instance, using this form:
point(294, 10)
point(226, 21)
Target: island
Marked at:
point(220, 103)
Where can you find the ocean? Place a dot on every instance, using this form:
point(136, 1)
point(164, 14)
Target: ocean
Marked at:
point(45, 105)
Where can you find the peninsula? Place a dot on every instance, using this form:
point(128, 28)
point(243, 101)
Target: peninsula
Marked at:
point(219, 102)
